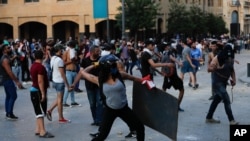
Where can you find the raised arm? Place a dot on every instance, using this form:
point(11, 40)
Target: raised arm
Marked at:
point(130, 77)
point(83, 73)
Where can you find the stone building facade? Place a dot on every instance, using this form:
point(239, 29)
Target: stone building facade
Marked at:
point(74, 18)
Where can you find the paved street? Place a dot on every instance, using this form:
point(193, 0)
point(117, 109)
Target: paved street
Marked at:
point(191, 124)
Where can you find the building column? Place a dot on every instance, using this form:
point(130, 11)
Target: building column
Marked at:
point(15, 28)
point(81, 24)
point(49, 27)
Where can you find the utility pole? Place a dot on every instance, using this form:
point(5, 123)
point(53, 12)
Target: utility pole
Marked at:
point(123, 19)
point(108, 36)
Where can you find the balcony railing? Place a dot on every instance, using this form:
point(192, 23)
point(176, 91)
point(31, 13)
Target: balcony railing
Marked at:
point(235, 3)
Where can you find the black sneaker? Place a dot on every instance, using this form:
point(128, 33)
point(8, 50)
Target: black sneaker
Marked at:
point(11, 117)
point(96, 124)
point(75, 104)
point(180, 109)
point(66, 105)
point(78, 90)
point(196, 85)
point(132, 134)
point(94, 135)
point(189, 84)
point(211, 98)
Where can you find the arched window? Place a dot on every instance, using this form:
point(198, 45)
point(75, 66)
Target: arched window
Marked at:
point(235, 17)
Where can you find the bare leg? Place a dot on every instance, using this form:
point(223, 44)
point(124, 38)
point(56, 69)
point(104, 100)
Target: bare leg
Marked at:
point(181, 94)
point(40, 125)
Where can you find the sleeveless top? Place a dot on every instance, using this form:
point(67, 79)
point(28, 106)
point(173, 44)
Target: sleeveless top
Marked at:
point(116, 97)
point(4, 75)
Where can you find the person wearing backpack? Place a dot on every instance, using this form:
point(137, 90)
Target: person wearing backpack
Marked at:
point(8, 79)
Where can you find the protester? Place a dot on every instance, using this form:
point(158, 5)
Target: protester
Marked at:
point(70, 62)
point(147, 62)
point(188, 66)
point(59, 81)
point(223, 67)
point(113, 92)
point(8, 78)
point(211, 55)
point(93, 91)
point(38, 94)
point(196, 57)
point(171, 77)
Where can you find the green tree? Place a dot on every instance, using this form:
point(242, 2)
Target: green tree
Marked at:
point(215, 24)
point(193, 22)
point(178, 21)
point(198, 20)
point(139, 15)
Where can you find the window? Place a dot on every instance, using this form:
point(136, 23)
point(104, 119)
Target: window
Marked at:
point(210, 3)
point(219, 3)
point(3, 1)
point(31, 0)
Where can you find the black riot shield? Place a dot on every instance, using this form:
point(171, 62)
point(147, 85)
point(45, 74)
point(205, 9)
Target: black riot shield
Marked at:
point(156, 109)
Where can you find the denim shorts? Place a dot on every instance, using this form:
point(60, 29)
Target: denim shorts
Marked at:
point(186, 67)
point(59, 87)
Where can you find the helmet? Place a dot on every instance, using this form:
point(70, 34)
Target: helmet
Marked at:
point(107, 64)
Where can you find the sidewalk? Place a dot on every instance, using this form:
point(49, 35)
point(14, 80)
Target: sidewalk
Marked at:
point(191, 124)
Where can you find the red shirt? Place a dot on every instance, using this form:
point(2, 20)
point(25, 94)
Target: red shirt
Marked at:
point(38, 68)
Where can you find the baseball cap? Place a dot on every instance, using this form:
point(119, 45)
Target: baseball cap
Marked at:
point(149, 41)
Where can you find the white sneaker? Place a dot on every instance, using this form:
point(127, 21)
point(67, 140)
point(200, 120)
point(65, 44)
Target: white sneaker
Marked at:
point(233, 122)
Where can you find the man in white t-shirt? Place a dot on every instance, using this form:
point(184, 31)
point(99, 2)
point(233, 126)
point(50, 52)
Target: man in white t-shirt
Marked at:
point(59, 82)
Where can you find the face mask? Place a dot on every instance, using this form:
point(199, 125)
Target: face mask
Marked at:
point(104, 52)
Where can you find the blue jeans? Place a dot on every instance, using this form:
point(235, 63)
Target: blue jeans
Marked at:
point(96, 105)
point(70, 78)
point(220, 94)
point(131, 66)
point(78, 83)
point(11, 95)
point(17, 70)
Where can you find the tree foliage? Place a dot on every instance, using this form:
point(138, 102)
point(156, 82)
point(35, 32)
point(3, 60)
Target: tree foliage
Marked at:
point(193, 22)
point(139, 14)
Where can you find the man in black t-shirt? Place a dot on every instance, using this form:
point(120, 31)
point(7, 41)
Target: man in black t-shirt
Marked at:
point(147, 62)
point(93, 91)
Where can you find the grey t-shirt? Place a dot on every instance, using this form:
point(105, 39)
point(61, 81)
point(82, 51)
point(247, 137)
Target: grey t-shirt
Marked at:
point(116, 97)
point(185, 52)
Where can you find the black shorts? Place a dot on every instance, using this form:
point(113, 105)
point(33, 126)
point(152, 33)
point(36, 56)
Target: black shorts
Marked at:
point(40, 108)
point(174, 81)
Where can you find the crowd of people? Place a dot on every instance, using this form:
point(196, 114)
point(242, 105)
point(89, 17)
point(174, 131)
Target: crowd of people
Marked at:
point(103, 67)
